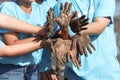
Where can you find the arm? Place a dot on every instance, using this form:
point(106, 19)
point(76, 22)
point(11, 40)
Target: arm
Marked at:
point(96, 27)
point(20, 49)
point(103, 16)
point(11, 38)
point(14, 24)
point(64, 19)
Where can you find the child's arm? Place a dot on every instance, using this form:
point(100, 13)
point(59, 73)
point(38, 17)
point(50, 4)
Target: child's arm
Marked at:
point(14, 24)
point(20, 49)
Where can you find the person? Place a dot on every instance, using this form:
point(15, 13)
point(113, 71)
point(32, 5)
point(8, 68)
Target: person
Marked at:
point(8, 22)
point(21, 66)
point(103, 63)
point(45, 70)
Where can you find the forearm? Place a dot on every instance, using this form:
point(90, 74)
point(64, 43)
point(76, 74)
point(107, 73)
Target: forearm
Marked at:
point(96, 27)
point(62, 34)
point(31, 39)
point(14, 24)
point(20, 49)
point(65, 34)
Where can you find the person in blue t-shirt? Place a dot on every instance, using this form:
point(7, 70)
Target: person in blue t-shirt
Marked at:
point(29, 12)
point(103, 63)
point(21, 66)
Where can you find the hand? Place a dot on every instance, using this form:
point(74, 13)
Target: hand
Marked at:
point(48, 75)
point(77, 25)
point(64, 19)
point(49, 26)
point(74, 56)
point(62, 48)
point(50, 45)
point(83, 43)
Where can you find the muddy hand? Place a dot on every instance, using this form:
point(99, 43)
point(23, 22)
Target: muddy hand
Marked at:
point(83, 43)
point(60, 50)
point(73, 54)
point(64, 19)
point(77, 24)
point(49, 27)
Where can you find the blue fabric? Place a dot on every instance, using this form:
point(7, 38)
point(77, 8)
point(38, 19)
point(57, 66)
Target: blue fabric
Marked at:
point(12, 9)
point(1, 43)
point(102, 64)
point(45, 63)
point(12, 72)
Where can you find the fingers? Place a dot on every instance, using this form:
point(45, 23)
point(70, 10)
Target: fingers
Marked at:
point(61, 6)
point(73, 45)
point(54, 77)
point(61, 59)
point(80, 47)
point(78, 59)
point(68, 56)
point(83, 21)
point(82, 17)
point(92, 46)
point(48, 18)
point(51, 16)
point(70, 5)
point(53, 51)
point(75, 61)
point(74, 15)
point(50, 12)
point(88, 48)
point(85, 52)
point(66, 7)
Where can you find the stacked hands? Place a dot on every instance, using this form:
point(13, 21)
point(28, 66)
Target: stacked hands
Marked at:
point(66, 47)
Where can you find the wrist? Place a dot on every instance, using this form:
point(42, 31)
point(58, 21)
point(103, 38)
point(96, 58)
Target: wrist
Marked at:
point(40, 31)
point(43, 43)
point(36, 31)
point(81, 32)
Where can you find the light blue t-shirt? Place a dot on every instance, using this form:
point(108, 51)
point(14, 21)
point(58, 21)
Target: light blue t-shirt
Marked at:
point(1, 43)
point(45, 63)
point(12, 9)
point(102, 64)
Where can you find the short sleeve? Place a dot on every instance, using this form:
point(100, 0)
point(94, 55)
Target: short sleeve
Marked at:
point(6, 8)
point(104, 8)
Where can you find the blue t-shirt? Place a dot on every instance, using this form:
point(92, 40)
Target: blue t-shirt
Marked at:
point(46, 58)
point(102, 64)
point(12, 9)
point(1, 43)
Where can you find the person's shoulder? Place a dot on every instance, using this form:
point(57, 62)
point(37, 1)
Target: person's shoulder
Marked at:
point(7, 5)
point(35, 4)
point(98, 2)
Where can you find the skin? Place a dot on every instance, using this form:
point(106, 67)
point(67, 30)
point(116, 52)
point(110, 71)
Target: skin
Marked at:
point(20, 49)
point(11, 38)
point(64, 19)
point(15, 25)
point(100, 22)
